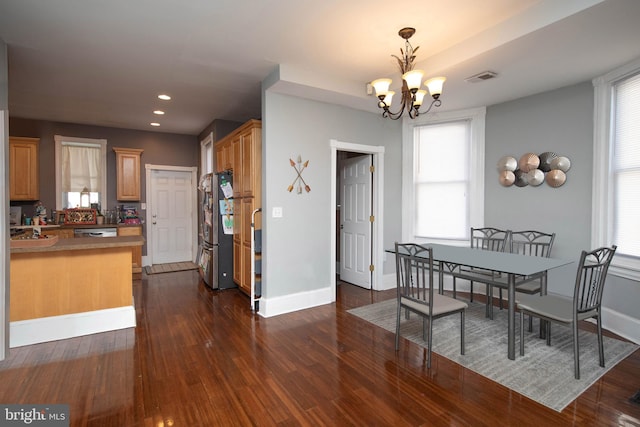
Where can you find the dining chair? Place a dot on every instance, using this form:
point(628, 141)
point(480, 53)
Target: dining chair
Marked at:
point(488, 239)
point(530, 243)
point(585, 304)
point(415, 293)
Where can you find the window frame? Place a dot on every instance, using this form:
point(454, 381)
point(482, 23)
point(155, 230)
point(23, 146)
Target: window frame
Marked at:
point(476, 117)
point(206, 155)
point(59, 141)
point(602, 184)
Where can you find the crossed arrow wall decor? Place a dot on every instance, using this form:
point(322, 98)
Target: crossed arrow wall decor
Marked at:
point(299, 167)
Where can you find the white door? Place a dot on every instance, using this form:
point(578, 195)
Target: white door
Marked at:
point(355, 221)
point(171, 216)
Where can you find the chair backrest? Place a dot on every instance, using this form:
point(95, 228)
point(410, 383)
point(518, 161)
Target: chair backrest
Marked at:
point(532, 243)
point(489, 239)
point(414, 273)
point(590, 278)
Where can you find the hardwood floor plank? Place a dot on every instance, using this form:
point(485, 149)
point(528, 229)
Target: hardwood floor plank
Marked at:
point(200, 358)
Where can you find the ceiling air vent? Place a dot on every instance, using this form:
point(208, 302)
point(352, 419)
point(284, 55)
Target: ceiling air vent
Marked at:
point(480, 77)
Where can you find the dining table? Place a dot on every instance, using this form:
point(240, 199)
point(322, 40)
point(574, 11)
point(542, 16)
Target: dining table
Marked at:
point(516, 267)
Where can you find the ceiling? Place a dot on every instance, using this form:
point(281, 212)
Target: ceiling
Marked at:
point(104, 63)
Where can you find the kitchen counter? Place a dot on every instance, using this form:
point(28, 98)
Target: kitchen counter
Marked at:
point(85, 243)
point(75, 287)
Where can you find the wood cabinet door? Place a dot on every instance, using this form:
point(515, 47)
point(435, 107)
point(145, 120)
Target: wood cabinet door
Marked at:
point(237, 166)
point(252, 162)
point(23, 169)
point(237, 263)
point(136, 251)
point(128, 173)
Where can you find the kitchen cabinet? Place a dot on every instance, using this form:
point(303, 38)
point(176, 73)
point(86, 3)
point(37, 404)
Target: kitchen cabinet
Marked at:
point(251, 161)
point(62, 233)
point(128, 173)
point(237, 166)
point(224, 155)
point(243, 156)
point(136, 251)
point(23, 168)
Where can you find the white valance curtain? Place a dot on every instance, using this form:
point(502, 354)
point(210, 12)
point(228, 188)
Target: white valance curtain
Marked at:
point(86, 171)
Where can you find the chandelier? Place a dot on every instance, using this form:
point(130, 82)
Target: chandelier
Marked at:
point(412, 96)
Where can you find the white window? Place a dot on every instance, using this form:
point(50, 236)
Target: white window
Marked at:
point(443, 180)
point(616, 184)
point(206, 155)
point(81, 163)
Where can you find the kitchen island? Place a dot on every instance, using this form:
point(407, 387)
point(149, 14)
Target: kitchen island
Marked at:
point(75, 287)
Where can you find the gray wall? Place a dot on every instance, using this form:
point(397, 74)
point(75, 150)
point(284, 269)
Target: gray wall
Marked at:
point(560, 121)
point(159, 149)
point(297, 246)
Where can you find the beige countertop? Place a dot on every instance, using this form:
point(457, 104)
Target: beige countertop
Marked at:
point(84, 243)
point(49, 226)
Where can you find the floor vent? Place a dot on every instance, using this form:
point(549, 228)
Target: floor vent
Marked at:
point(635, 398)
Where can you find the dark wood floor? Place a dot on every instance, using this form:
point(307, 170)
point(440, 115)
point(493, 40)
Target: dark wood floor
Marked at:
point(201, 358)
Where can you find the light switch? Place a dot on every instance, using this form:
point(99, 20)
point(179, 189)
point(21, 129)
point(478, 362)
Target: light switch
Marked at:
point(143, 206)
point(276, 212)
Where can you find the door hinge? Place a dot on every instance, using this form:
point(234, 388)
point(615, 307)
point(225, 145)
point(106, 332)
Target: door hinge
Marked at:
point(372, 218)
point(371, 267)
point(372, 169)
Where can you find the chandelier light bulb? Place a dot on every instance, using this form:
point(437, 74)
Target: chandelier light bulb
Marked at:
point(413, 79)
point(381, 86)
point(435, 86)
point(419, 98)
point(388, 97)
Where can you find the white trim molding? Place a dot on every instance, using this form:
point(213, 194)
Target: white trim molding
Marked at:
point(194, 209)
point(476, 164)
point(602, 186)
point(270, 307)
point(44, 329)
point(377, 251)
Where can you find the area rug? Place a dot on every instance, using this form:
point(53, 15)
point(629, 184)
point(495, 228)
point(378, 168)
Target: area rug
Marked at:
point(544, 374)
point(170, 267)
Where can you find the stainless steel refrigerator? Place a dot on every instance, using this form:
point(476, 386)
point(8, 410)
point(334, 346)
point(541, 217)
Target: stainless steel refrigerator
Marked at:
point(215, 251)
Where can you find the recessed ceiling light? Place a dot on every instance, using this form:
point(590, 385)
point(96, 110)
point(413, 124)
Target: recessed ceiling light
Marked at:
point(164, 97)
point(158, 112)
point(154, 124)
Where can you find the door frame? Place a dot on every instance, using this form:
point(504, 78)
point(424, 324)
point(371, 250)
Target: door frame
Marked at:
point(377, 194)
point(340, 181)
point(148, 260)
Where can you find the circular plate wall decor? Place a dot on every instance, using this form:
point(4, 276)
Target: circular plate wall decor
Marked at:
point(507, 163)
point(562, 163)
point(545, 161)
point(555, 178)
point(529, 161)
point(507, 178)
point(535, 177)
point(521, 178)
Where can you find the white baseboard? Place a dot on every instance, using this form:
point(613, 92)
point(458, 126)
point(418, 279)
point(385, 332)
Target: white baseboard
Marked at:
point(27, 332)
point(621, 324)
point(270, 307)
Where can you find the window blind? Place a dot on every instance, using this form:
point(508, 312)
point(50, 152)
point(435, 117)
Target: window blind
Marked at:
point(441, 179)
point(626, 167)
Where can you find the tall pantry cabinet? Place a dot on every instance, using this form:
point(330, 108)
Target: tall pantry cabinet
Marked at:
point(241, 152)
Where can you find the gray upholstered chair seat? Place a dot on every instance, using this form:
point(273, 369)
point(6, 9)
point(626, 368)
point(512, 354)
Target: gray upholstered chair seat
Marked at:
point(553, 307)
point(442, 304)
